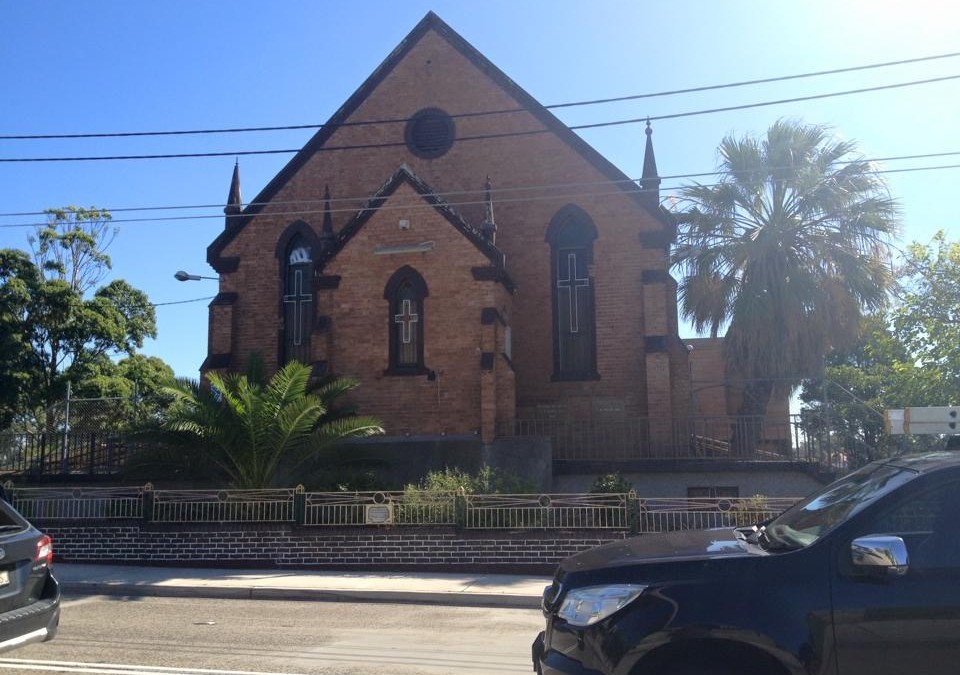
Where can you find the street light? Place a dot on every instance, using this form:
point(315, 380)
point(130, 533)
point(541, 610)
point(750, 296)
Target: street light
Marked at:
point(184, 276)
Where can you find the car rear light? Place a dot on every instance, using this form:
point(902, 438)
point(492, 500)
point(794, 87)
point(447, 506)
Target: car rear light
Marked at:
point(44, 552)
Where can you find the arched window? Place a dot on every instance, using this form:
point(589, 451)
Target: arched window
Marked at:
point(298, 301)
point(405, 293)
point(571, 235)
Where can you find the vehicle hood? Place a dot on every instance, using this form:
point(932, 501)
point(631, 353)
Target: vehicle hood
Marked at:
point(685, 545)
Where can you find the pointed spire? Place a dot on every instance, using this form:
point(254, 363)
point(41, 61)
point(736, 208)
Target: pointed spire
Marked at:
point(234, 200)
point(650, 180)
point(326, 233)
point(327, 217)
point(489, 224)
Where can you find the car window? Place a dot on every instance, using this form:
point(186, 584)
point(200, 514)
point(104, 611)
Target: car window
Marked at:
point(929, 523)
point(804, 523)
point(7, 518)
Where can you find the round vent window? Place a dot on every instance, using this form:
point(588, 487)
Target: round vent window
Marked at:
point(429, 133)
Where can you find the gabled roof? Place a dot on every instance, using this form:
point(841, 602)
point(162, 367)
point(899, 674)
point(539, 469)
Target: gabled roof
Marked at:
point(432, 22)
point(404, 175)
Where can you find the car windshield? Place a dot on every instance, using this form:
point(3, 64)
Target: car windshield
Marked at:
point(807, 521)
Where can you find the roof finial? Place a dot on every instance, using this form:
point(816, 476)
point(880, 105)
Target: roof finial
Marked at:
point(650, 180)
point(489, 224)
point(327, 217)
point(234, 200)
point(326, 232)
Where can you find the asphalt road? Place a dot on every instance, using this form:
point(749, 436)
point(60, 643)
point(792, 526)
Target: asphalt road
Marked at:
point(181, 636)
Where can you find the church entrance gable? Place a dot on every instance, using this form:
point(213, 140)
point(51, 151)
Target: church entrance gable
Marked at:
point(408, 316)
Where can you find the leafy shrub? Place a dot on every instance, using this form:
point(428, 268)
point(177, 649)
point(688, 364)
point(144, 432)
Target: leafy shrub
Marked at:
point(429, 500)
point(486, 481)
point(751, 510)
point(611, 483)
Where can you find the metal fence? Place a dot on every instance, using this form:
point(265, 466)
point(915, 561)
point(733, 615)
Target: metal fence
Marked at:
point(627, 511)
point(78, 503)
point(222, 506)
point(745, 438)
point(87, 453)
point(666, 515)
point(563, 511)
point(84, 448)
point(380, 508)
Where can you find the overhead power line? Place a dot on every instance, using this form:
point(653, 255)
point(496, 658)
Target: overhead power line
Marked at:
point(571, 104)
point(419, 203)
point(181, 302)
point(512, 134)
point(497, 191)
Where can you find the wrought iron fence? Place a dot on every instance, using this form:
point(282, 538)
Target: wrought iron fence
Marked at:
point(667, 515)
point(623, 511)
point(85, 450)
point(78, 503)
point(380, 508)
point(562, 511)
point(745, 438)
point(222, 506)
point(77, 453)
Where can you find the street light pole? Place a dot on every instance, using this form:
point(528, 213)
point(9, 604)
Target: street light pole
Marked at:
point(185, 276)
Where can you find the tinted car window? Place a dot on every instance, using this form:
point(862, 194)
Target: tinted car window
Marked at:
point(804, 523)
point(930, 525)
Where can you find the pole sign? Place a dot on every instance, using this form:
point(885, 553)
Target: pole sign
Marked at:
point(920, 421)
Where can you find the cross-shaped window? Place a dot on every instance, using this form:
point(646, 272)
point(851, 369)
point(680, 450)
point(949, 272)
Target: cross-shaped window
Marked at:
point(298, 301)
point(571, 235)
point(569, 285)
point(405, 293)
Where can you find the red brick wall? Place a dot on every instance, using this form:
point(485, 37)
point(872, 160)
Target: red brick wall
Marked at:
point(713, 396)
point(451, 320)
point(433, 74)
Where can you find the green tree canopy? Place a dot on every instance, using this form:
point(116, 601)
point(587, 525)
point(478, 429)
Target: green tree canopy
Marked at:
point(246, 430)
point(19, 367)
point(53, 328)
point(905, 357)
point(787, 250)
point(927, 316)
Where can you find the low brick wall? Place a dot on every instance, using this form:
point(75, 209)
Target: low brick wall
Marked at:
point(290, 546)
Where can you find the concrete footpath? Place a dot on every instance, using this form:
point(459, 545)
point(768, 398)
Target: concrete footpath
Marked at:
point(483, 590)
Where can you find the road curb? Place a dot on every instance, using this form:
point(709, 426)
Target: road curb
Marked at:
point(496, 600)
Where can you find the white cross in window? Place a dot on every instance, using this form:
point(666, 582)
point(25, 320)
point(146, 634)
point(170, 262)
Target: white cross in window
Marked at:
point(406, 318)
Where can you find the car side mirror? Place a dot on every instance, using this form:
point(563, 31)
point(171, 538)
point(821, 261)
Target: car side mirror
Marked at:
point(881, 554)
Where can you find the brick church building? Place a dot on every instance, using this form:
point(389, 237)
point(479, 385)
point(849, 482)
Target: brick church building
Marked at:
point(480, 269)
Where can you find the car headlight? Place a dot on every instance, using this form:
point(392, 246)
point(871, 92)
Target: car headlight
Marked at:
point(586, 606)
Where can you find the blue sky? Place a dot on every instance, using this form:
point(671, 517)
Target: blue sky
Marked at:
point(79, 67)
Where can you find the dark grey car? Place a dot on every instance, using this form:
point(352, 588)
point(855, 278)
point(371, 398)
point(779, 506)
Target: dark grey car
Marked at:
point(29, 593)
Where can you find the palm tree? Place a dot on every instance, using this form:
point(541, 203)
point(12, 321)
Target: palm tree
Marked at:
point(246, 430)
point(787, 250)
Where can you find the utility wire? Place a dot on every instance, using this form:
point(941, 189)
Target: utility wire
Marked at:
point(617, 99)
point(512, 134)
point(498, 191)
point(418, 203)
point(181, 302)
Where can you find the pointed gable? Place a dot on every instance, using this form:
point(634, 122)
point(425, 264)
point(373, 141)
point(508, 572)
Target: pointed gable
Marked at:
point(404, 176)
point(389, 131)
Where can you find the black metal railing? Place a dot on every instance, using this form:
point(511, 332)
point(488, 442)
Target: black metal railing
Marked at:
point(88, 453)
point(745, 438)
point(755, 439)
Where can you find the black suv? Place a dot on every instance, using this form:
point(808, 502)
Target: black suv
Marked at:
point(29, 594)
point(863, 577)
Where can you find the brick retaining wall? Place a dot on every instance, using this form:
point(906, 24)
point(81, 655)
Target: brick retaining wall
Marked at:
point(289, 546)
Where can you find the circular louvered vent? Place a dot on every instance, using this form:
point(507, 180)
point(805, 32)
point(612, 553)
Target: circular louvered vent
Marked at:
point(429, 133)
